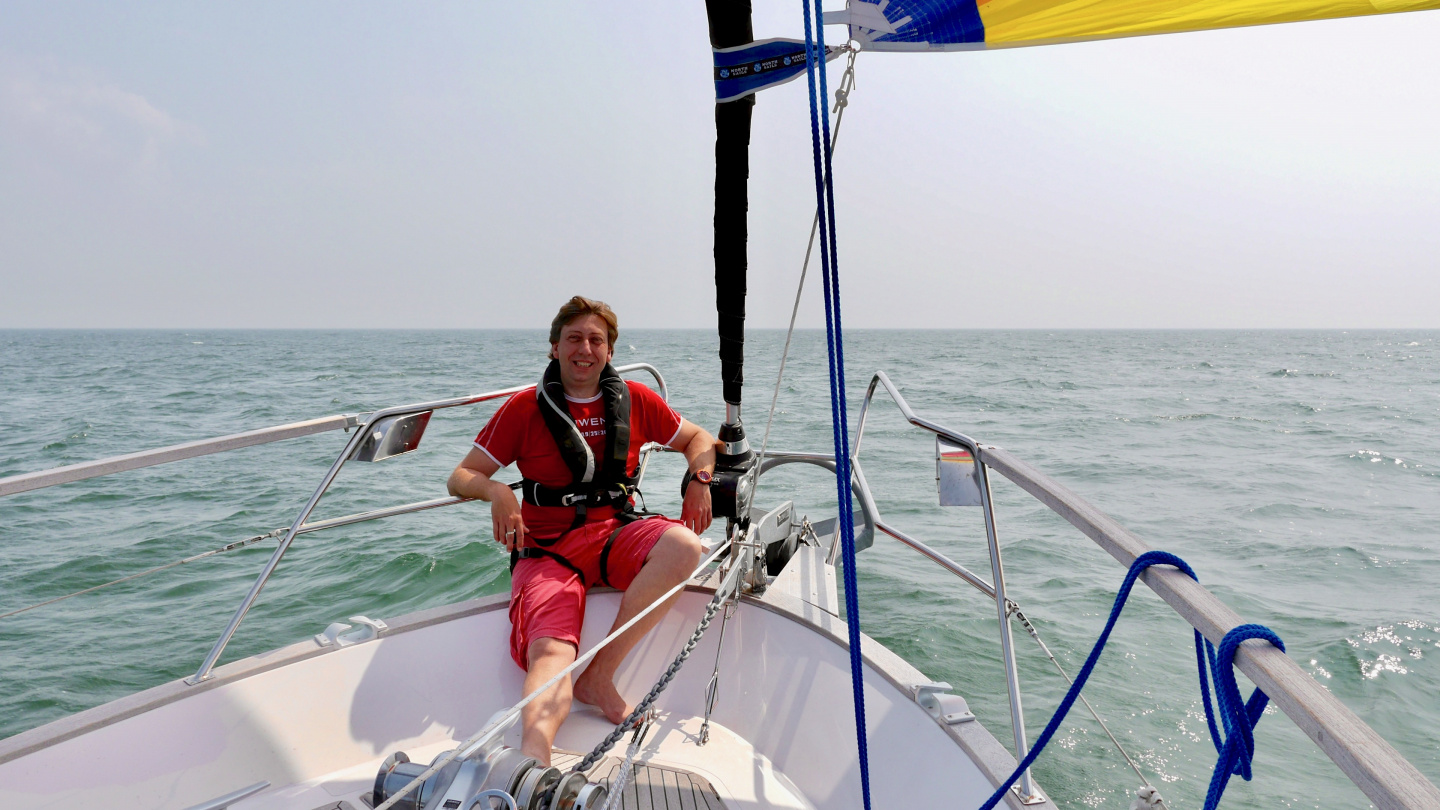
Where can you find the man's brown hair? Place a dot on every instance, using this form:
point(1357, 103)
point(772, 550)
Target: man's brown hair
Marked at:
point(579, 307)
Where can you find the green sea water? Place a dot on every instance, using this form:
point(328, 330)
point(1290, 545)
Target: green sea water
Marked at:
point(1298, 472)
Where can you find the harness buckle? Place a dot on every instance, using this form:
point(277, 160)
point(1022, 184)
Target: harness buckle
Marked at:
point(571, 499)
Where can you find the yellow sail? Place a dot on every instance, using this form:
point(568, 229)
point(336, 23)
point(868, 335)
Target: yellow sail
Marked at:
point(1016, 22)
point(969, 24)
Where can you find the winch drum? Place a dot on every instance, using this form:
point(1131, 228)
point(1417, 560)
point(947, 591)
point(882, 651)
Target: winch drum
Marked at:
point(504, 769)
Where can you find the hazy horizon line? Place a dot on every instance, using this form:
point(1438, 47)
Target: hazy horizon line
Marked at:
point(5, 329)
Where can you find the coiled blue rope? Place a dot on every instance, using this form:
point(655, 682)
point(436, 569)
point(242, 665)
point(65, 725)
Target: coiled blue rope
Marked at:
point(1238, 747)
point(835, 352)
point(1239, 719)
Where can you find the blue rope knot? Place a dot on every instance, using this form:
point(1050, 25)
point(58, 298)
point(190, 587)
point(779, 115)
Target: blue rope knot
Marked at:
point(1239, 719)
point(1237, 749)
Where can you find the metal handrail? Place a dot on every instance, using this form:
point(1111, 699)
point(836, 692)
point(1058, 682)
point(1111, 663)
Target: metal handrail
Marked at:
point(1371, 763)
point(376, 514)
point(26, 482)
point(1028, 793)
point(940, 559)
point(858, 487)
point(203, 673)
point(1381, 773)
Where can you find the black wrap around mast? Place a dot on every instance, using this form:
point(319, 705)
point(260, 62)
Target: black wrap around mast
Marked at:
point(730, 26)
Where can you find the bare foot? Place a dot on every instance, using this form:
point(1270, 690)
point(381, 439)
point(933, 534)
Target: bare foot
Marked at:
point(602, 693)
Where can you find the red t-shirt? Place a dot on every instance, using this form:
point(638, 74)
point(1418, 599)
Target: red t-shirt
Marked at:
point(517, 433)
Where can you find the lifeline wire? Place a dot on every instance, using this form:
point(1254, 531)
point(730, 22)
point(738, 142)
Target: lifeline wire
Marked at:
point(712, 688)
point(641, 716)
point(829, 266)
point(227, 547)
point(1030, 628)
point(842, 100)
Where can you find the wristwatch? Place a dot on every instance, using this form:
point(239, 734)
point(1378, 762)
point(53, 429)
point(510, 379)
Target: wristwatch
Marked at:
point(703, 476)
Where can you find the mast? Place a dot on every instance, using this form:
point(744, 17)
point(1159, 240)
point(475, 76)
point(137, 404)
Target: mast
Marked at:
point(730, 26)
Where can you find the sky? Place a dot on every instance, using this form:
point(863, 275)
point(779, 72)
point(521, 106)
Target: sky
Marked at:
point(471, 165)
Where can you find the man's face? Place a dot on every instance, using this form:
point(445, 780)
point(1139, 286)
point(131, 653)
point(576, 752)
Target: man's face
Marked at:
point(582, 351)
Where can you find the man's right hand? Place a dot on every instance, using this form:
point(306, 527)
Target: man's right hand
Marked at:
point(471, 479)
point(505, 517)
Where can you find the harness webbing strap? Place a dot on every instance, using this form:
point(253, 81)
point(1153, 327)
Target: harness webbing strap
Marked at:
point(533, 553)
point(616, 495)
point(605, 554)
point(596, 480)
point(626, 518)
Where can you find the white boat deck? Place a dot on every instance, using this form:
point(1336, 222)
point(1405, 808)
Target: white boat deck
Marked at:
point(672, 773)
point(316, 724)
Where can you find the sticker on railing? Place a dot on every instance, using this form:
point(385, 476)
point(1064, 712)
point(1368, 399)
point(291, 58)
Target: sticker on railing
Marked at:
point(955, 475)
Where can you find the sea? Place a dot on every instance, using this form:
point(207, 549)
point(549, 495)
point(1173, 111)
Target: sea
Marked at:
point(1298, 472)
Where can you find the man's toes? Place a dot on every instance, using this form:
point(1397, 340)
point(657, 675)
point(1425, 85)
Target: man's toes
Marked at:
point(604, 696)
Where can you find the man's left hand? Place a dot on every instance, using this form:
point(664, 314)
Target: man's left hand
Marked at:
point(696, 514)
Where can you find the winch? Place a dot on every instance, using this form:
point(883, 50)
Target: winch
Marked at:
point(499, 778)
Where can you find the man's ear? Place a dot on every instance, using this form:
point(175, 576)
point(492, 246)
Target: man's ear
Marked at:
point(552, 354)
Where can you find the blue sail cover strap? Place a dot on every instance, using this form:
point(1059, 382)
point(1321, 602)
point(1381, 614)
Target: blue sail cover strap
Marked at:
point(752, 67)
point(825, 220)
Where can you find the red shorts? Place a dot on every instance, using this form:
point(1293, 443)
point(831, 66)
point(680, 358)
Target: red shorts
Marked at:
point(547, 600)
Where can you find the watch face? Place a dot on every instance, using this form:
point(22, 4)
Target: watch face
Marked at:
point(703, 476)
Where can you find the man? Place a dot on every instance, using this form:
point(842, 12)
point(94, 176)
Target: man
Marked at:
point(576, 438)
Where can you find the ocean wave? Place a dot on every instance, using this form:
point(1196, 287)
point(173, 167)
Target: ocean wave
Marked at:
point(1376, 457)
point(1393, 649)
point(1294, 372)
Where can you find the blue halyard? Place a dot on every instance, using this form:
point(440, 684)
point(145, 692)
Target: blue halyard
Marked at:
point(825, 202)
point(1236, 750)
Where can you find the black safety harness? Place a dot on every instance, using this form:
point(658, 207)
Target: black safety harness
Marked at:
point(595, 482)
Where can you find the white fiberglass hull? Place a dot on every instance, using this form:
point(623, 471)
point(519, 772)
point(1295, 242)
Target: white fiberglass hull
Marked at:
point(315, 723)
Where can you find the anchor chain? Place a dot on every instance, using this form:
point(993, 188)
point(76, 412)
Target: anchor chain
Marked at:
point(643, 708)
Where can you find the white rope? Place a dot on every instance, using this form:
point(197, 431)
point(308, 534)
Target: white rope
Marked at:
point(502, 720)
point(617, 788)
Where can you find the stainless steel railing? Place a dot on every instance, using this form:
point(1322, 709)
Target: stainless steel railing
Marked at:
point(996, 587)
point(203, 673)
point(1381, 773)
point(26, 482)
point(366, 422)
